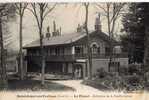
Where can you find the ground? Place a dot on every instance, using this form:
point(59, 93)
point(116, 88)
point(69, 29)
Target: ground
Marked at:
point(35, 85)
point(59, 89)
point(78, 86)
point(51, 85)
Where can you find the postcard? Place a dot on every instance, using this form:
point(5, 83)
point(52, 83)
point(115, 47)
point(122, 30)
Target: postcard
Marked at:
point(74, 50)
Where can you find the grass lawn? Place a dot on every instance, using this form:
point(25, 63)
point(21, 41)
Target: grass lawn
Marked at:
point(35, 85)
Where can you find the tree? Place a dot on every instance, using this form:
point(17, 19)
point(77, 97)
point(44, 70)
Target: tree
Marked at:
point(135, 24)
point(89, 55)
point(20, 8)
point(112, 12)
point(130, 24)
point(40, 12)
point(6, 11)
point(143, 16)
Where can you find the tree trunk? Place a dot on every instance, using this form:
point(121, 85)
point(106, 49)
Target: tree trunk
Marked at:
point(3, 67)
point(21, 53)
point(42, 58)
point(110, 43)
point(89, 54)
point(146, 47)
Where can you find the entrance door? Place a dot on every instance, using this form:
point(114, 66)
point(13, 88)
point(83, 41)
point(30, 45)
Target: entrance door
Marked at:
point(78, 71)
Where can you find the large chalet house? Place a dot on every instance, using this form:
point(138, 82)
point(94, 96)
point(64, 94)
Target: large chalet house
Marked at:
point(68, 52)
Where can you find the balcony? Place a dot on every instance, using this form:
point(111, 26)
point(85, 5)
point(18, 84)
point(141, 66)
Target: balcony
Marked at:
point(72, 58)
point(102, 56)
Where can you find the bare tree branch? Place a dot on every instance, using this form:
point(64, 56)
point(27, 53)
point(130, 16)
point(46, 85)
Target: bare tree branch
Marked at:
point(98, 5)
point(49, 10)
point(34, 12)
point(40, 11)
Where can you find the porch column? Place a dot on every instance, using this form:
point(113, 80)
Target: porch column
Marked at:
point(73, 50)
point(17, 70)
point(63, 67)
point(73, 69)
point(86, 70)
point(66, 68)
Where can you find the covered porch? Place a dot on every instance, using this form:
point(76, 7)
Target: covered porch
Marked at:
point(75, 69)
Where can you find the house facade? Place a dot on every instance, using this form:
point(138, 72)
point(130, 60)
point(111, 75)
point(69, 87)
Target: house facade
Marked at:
point(68, 53)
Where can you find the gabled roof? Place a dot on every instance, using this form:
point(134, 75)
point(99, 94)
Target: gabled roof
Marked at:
point(63, 39)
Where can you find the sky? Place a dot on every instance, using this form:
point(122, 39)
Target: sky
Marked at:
point(66, 16)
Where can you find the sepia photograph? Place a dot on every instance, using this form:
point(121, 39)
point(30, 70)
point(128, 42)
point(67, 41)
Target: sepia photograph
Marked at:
point(82, 47)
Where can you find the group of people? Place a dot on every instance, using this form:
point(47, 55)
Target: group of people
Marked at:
point(77, 73)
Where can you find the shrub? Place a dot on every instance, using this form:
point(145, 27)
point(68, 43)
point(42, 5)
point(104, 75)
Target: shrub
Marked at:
point(145, 68)
point(134, 82)
point(3, 84)
point(133, 69)
point(101, 73)
point(123, 70)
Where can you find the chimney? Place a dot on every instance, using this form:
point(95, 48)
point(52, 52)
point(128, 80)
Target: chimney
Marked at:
point(54, 29)
point(54, 26)
point(57, 32)
point(48, 35)
point(98, 23)
point(79, 28)
point(60, 31)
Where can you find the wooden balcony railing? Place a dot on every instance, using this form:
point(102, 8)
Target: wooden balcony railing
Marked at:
point(76, 56)
point(121, 55)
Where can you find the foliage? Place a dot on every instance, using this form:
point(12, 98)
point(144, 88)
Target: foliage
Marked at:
point(132, 79)
point(6, 11)
point(134, 82)
point(3, 85)
point(133, 69)
point(101, 73)
point(134, 24)
point(123, 70)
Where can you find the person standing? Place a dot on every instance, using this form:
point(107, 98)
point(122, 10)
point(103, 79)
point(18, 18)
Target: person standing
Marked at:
point(79, 73)
point(76, 73)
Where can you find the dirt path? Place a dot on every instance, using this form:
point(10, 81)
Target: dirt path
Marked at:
point(76, 84)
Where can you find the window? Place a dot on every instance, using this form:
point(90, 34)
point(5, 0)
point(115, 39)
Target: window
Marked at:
point(117, 49)
point(29, 52)
point(62, 51)
point(57, 51)
point(79, 50)
point(47, 51)
point(95, 48)
point(107, 50)
point(32, 52)
point(37, 52)
point(51, 49)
